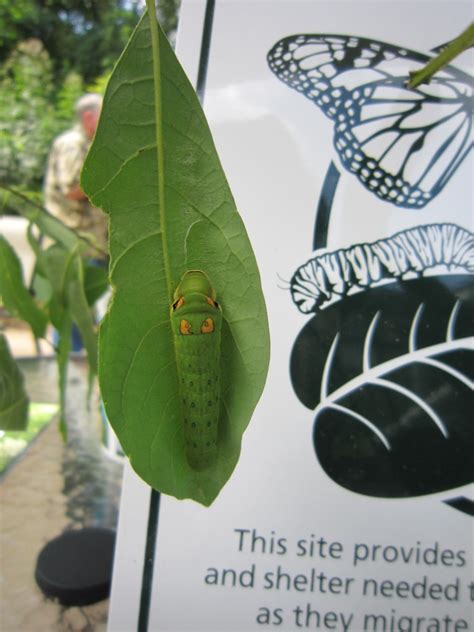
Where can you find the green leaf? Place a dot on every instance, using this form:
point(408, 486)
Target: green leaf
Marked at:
point(13, 442)
point(154, 168)
point(68, 303)
point(62, 356)
point(96, 282)
point(16, 296)
point(13, 398)
point(42, 288)
point(64, 271)
point(82, 315)
point(47, 223)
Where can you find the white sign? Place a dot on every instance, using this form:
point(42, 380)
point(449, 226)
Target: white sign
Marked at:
point(351, 506)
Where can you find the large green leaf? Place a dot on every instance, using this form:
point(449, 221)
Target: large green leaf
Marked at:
point(96, 282)
point(14, 293)
point(13, 399)
point(154, 168)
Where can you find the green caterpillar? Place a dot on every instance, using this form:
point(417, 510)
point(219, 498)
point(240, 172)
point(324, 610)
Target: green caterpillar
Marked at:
point(196, 320)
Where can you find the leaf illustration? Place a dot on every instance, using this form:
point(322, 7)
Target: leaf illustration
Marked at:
point(154, 168)
point(390, 374)
point(13, 398)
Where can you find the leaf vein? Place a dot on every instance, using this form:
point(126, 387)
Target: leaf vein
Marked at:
point(131, 246)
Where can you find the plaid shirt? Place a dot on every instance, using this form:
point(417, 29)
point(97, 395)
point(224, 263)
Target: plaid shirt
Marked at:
point(65, 162)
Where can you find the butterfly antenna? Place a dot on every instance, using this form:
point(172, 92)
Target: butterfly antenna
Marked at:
point(437, 49)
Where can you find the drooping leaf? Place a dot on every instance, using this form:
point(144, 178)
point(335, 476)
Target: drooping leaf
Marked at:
point(64, 271)
point(390, 374)
point(15, 294)
point(82, 315)
point(13, 398)
point(47, 223)
point(63, 349)
point(154, 168)
point(42, 288)
point(68, 304)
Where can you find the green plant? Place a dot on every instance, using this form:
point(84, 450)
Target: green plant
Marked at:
point(13, 442)
point(62, 294)
point(83, 36)
point(170, 210)
point(27, 118)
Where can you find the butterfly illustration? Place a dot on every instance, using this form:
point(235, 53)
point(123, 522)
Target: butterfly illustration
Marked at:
point(402, 144)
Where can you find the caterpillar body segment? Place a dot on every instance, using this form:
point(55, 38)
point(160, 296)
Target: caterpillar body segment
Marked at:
point(196, 320)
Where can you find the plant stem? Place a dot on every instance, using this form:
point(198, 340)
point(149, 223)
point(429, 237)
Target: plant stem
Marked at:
point(155, 43)
point(457, 46)
point(40, 210)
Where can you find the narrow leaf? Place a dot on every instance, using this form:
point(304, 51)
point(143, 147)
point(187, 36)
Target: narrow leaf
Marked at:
point(67, 305)
point(154, 168)
point(13, 398)
point(47, 223)
point(16, 296)
point(82, 315)
point(62, 355)
point(56, 264)
point(64, 271)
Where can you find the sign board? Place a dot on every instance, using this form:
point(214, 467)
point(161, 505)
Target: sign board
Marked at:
point(351, 506)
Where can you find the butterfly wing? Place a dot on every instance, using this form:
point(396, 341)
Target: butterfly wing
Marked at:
point(402, 144)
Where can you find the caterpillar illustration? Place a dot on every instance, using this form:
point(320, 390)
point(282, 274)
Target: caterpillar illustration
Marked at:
point(196, 320)
point(328, 277)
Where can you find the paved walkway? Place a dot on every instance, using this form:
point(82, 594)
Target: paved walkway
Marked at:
point(33, 511)
point(53, 486)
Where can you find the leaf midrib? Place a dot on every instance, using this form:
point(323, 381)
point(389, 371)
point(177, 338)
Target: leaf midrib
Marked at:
point(389, 365)
point(155, 45)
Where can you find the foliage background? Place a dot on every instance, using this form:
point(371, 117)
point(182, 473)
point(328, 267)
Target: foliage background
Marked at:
point(51, 52)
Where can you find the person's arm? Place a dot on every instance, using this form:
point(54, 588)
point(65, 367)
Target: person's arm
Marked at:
point(70, 156)
point(76, 193)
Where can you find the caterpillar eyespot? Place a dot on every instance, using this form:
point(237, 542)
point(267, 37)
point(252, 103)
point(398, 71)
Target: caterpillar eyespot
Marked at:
point(185, 328)
point(207, 326)
point(196, 321)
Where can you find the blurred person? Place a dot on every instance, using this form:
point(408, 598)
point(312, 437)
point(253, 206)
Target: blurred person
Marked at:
point(63, 195)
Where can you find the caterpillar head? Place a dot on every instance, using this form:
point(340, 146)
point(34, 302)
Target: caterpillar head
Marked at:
point(194, 310)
